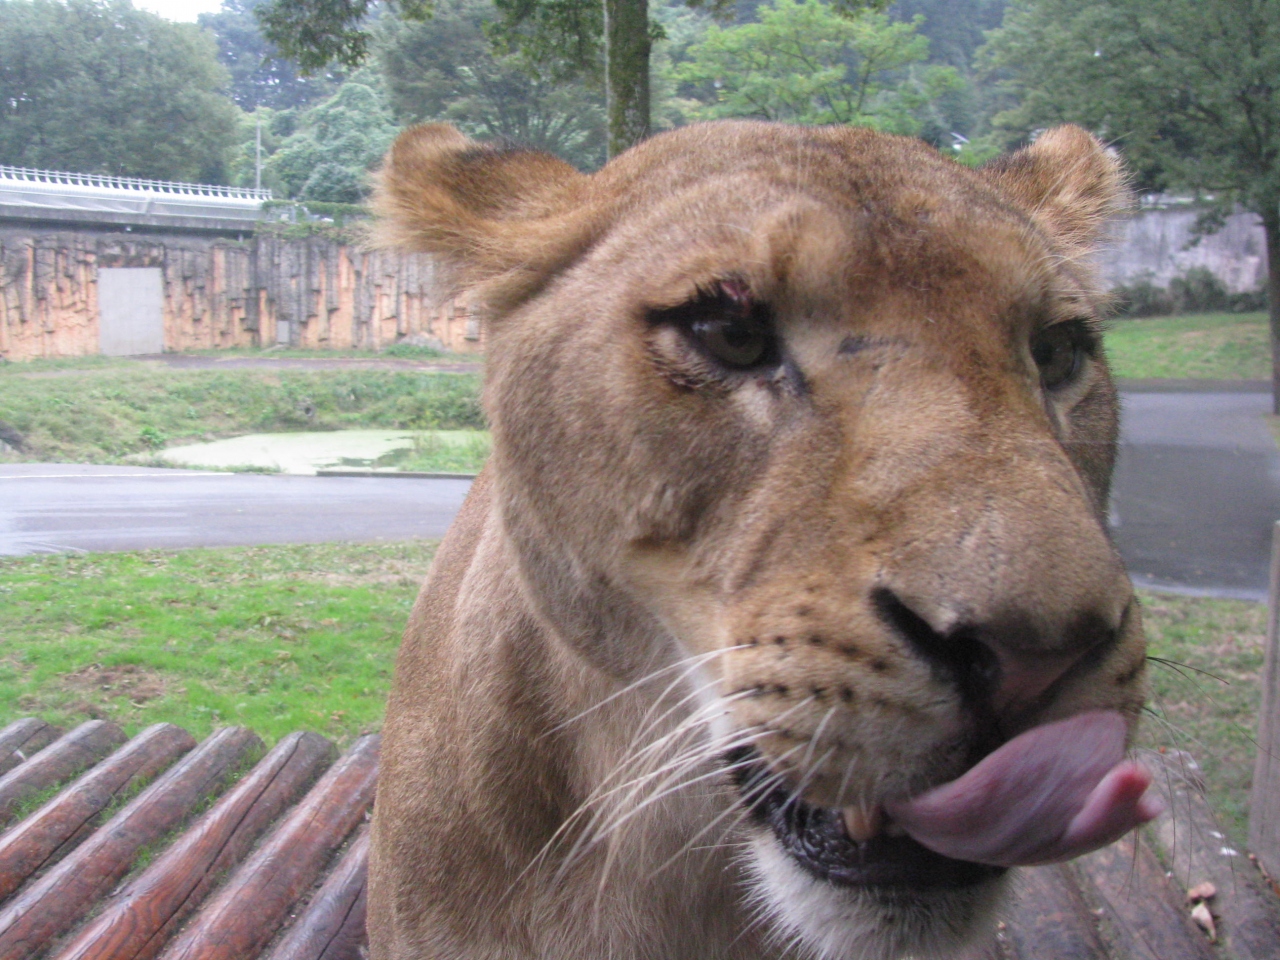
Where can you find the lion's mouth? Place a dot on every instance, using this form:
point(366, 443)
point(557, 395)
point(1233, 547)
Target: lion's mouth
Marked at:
point(1049, 794)
point(816, 838)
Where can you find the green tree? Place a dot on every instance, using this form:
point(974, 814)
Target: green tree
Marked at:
point(447, 69)
point(804, 62)
point(565, 35)
point(259, 75)
point(96, 86)
point(350, 130)
point(1190, 89)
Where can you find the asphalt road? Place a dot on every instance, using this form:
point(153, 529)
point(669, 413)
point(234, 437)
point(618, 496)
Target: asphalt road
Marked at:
point(1196, 492)
point(46, 507)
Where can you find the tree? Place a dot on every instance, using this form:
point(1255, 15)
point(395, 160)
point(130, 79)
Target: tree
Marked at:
point(350, 131)
point(96, 86)
point(260, 77)
point(804, 62)
point(1190, 89)
point(447, 69)
point(567, 34)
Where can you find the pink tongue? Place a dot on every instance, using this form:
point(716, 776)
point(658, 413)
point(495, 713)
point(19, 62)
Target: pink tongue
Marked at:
point(1051, 794)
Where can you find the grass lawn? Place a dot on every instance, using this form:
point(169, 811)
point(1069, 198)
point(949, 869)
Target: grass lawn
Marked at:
point(104, 412)
point(304, 637)
point(274, 638)
point(1206, 698)
point(1221, 346)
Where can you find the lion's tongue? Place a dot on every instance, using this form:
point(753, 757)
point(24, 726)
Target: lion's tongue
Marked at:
point(1051, 794)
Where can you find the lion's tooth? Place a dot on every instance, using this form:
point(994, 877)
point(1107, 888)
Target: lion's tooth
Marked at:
point(861, 823)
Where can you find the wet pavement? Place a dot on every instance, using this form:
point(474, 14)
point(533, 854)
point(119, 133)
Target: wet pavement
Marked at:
point(49, 507)
point(1197, 490)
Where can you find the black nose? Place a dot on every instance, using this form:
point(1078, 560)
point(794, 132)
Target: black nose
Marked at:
point(1003, 666)
point(957, 657)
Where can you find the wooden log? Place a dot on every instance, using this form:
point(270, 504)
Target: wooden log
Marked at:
point(1048, 917)
point(1146, 913)
point(144, 915)
point(50, 905)
point(1247, 913)
point(20, 739)
point(285, 866)
point(332, 928)
point(61, 760)
point(55, 829)
point(1264, 801)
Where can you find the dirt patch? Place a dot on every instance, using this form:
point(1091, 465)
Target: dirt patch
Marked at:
point(136, 684)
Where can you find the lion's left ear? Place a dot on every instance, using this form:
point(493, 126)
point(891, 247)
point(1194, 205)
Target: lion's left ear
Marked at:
point(1067, 181)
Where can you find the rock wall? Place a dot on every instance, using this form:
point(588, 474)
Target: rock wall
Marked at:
point(220, 293)
point(1157, 244)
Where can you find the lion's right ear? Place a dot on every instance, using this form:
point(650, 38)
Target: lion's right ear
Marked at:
point(486, 213)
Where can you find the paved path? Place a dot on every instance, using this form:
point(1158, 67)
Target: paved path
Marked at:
point(1197, 489)
point(47, 507)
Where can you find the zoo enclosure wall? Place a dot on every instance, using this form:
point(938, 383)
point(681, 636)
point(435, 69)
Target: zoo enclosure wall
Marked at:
point(221, 292)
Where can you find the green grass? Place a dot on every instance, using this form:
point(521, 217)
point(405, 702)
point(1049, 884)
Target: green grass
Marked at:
point(1206, 698)
point(304, 637)
point(105, 412)
point(442, 451)
point(274, 638)
point(1216, 346)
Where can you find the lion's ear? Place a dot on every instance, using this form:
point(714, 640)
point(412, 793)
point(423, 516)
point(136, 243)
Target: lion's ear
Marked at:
point(1068, 182)
point(482, 211)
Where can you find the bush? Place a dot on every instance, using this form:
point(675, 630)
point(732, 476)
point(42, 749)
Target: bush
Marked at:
point(1197, 291)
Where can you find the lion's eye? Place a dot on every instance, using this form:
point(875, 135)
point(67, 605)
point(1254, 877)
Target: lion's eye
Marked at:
point(734, 341)
point(1059, 352)
point(728, 324)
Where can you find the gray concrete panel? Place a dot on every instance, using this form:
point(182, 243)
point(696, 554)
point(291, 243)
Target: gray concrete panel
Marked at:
point(130, 311)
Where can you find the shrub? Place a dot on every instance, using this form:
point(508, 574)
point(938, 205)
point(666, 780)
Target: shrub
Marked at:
point(1197, 291)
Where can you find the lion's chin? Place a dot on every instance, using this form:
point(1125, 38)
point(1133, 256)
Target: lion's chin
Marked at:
point(830, 921)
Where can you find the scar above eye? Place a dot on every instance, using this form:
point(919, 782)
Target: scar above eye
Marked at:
point(856, 344)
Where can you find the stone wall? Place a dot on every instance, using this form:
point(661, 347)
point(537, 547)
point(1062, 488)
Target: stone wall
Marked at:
point(1157, 244)
point(219, 293)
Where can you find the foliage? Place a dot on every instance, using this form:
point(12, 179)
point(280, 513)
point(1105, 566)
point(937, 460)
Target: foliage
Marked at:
point(103, 414)
point(447, 69)
point(96, 86)
point(316, 33)
point(1197, 291)
point(260, 77)
point(804, 62)
point(275, 638)
point(351, 130)
point(1214, 346)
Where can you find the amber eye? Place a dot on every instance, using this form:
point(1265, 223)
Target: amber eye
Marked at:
point(1059, 352)
point(734, 341)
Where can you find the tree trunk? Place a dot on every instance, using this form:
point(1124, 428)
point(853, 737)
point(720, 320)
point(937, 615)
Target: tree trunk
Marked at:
point(1271, 227)
point(626, 72)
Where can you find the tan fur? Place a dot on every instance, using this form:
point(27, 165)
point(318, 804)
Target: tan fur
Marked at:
point(658, 563)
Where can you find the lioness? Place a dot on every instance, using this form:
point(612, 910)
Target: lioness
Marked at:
point(783, 620)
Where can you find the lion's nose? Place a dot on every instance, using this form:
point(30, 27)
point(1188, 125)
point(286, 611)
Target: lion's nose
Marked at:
point(1001, 664)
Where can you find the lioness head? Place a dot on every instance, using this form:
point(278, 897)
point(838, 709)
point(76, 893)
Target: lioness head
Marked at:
point(823, 417)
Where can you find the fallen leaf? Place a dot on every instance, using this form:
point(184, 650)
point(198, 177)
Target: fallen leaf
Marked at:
point(1204, 920)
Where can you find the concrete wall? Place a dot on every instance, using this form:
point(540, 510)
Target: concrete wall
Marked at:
point(1157, 244)
point(219, 293)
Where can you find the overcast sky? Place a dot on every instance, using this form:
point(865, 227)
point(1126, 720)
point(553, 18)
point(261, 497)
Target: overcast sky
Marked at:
point(179, 9)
